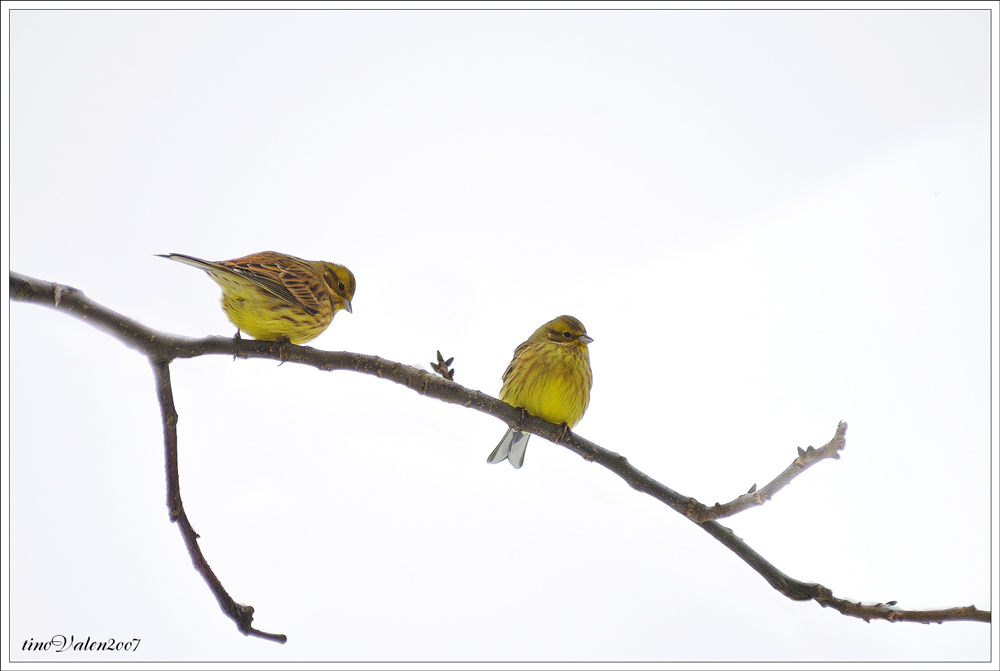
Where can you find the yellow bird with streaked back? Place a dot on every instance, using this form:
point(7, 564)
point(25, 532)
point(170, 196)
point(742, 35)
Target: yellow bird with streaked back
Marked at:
point(550, 378)
point(270, 296)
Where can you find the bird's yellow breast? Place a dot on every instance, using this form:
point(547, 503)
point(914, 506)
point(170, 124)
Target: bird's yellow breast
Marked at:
point(550, 381)
point(263, 316)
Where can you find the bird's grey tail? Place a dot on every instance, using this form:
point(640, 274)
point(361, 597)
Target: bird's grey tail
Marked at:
point(512, 448)
point(189, 260)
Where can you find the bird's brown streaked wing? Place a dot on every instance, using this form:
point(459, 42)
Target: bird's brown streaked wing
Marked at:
point(289, 279)
point(517, 354)
point(305, 284)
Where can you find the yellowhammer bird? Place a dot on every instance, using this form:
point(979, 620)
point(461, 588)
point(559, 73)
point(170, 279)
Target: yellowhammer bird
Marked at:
point(270, 295)
point(550, 378)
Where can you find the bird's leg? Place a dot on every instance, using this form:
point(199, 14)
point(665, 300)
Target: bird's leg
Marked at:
point(280, 344)
point(237, 340)
point(520, 423)
point(562, 434)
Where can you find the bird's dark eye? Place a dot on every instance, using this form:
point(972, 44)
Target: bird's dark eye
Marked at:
point(341, 286)
point(567, 334)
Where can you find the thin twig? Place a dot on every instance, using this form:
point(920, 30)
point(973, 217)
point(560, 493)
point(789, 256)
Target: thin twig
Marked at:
point(161, 347)
point(807, 457)
point(888, 611)
point(241, 614)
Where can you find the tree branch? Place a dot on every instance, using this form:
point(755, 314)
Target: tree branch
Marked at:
point(241, 614)
point(162, 348)
point(807, 457)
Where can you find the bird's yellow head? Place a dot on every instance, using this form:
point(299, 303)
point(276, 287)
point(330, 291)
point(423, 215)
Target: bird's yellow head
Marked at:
point(341, 283)
point(564, 330)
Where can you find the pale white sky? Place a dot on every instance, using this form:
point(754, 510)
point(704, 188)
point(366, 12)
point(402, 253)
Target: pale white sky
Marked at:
point(769, 221)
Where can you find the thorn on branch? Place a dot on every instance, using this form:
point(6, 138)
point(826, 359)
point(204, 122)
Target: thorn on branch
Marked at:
point(441, 367)
point(752, 489)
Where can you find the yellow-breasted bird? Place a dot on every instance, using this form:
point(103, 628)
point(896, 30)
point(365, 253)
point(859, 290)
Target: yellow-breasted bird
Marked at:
point(270, 295)
point(550, 378)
